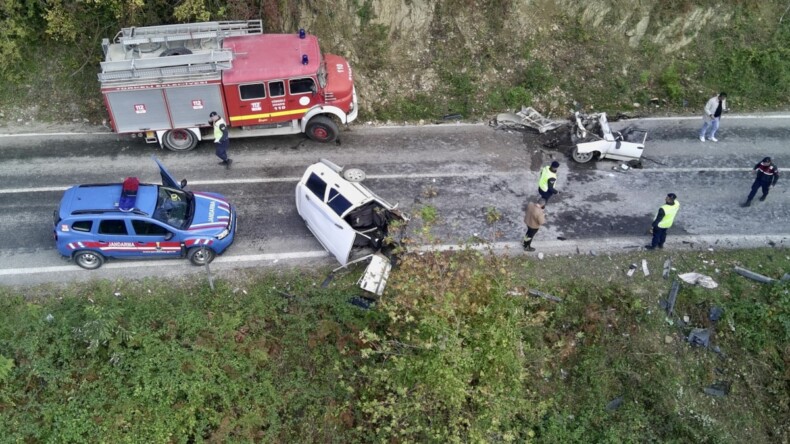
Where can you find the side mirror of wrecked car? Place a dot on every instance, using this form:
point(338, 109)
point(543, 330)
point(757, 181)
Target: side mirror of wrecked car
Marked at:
point(183, 183)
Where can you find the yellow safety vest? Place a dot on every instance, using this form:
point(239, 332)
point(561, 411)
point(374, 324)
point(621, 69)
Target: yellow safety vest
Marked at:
point(545, 175)
point(217, 131)
point(669, 214)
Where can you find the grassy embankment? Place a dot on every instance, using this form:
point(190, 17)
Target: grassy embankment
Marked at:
point(455, 351)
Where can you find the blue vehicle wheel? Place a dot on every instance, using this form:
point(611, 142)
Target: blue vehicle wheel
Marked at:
point(88, 260)
point(200, 255)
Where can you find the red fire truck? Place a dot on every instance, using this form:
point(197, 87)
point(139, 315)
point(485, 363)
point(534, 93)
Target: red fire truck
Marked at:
point(161, 82)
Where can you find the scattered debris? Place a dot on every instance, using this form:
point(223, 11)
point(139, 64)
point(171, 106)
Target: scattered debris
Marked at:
point(669, 304)
point(644, 268)
point(668, 339)
point(286, 295)
point(376, 274)
point(719, 389)
point(540, 256)
point(528, 117)
point(631, 270)
point(686, 319)
point(698, 279)
point(362, 302)
point(614, 404)
point(593, 253)
point(49, 318)
point(699, 337)
point(715, 313)
point(562, 238)
point(544, 295)
point(452, 117)
point(328, 279)
point(753, 276)
point(667, 267)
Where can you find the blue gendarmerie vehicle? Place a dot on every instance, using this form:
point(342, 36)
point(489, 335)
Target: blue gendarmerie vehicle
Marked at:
point(133, 220)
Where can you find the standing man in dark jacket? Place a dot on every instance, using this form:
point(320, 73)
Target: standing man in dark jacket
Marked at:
point(548, 177)
point(221, 138)
point(663, 220)
point(767, 176)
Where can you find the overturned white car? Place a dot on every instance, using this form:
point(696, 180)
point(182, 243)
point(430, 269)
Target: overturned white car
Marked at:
point(597, 140)
point(344, 215)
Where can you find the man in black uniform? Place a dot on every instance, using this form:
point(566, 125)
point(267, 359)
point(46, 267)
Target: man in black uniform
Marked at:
point(767, 176)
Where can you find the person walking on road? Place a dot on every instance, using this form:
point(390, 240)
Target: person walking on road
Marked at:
point(712, 115)
point(534, 218)
point(767, 176)
point(663, 220)
point(548, 178)
point(221, 138)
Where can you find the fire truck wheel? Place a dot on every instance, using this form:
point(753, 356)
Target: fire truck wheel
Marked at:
point(200, 255)
point(175, 51)
point(179, 140)
point(322, 129)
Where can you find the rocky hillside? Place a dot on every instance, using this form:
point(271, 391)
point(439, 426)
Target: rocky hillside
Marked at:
point(424, 59)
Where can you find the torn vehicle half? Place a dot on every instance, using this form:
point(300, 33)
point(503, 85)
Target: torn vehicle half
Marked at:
point(597, 140)
point(343, 214)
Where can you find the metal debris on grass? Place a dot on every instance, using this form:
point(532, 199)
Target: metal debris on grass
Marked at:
point(719, 389)
point(644, 268)
point(755, 276)
point(667, 267)
point(631, 270)
point(544, 295)
point(614, 404)
point(698, 279)
point(669, 304)
point(699, 337)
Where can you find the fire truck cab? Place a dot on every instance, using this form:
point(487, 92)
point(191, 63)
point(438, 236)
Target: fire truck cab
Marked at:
point(161, 82)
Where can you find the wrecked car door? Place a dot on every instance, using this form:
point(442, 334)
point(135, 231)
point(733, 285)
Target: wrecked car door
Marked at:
point(322, 218)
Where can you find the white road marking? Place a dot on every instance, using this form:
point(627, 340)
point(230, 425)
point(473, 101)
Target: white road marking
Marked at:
point(570, 246)
point(443, 125)
point(470, 174)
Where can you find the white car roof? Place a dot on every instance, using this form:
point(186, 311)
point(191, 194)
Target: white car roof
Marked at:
point(354, 192)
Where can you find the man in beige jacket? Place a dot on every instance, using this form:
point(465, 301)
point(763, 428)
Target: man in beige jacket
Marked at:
point(534, 218)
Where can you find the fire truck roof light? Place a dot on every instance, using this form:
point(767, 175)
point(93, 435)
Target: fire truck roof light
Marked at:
point(301, 33)
point(305, 61)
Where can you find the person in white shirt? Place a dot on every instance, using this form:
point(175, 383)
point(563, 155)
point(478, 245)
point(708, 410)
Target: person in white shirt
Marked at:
point(711, 117)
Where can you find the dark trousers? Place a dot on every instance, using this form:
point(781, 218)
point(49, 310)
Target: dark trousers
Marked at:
point(222, 150)
point(659, 237)
point(546, 194)
point(530, 235)
point(756, 186)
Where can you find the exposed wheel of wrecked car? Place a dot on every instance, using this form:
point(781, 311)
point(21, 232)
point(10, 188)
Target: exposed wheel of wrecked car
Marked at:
point(581, 157)
point(179, 140)
point(88, 259)
point(354, 175)
point(321, 129)
point(200, 255)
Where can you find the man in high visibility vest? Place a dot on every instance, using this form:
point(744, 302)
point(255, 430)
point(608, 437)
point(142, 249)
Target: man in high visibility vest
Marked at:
point(548, 177)
point(663, 220)
point(221, 138)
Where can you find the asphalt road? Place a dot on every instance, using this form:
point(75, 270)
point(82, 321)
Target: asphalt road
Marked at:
point(464, 171)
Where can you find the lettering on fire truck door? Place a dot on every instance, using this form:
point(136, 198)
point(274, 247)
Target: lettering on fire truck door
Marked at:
point(248, 104)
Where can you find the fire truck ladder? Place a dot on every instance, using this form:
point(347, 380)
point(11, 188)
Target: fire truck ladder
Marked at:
point(138, 58)
point(168, 34)
point(167, 68)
